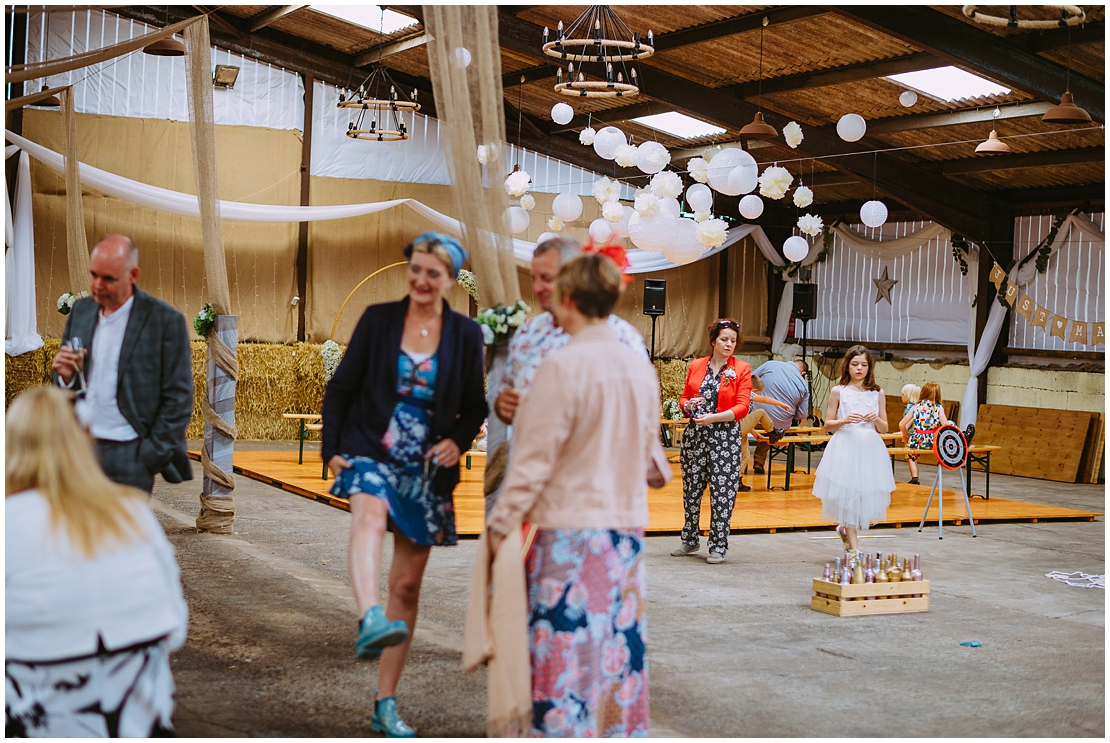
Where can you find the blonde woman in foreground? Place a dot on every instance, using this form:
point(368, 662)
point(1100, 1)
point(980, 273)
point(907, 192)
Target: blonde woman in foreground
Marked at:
point(93, 601)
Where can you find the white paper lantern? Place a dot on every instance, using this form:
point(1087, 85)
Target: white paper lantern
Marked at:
point(686, 248)
point(600, 230)
point(795, 248)
point(908, 98)
point(544, 237)
point(518, 219)
point(607, 141)
point(670, 205)
point(461, 57)
point(873, 213)
point(655, 234)
point(722, 166)
point(743, 178)
point(751, 206)
point(561, 113)
point(652, 157)
point(620, 228)
point(699, 197)
point(851, 127)
point(567, 207)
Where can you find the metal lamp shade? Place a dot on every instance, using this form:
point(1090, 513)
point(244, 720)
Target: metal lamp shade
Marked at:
point(1066, 113)
point(759, 129)
point(993, 145)
point(168, 47)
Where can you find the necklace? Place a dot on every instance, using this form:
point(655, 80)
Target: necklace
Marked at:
point(423, 328)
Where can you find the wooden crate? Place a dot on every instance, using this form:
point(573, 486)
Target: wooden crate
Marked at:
point(890, 598)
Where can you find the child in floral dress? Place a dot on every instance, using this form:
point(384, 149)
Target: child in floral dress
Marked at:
point(919, 426)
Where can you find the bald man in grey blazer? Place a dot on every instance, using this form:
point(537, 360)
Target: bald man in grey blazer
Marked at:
point(135, 361)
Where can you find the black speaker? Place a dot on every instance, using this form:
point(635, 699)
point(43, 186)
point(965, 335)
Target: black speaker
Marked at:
point(655, 297)
point(805, 301)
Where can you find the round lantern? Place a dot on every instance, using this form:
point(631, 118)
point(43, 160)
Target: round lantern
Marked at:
point(699, 197)
point(873, 213)
point(545, 236)
point(620, 229)
point(908, 98)
point(562, 113)
point(600, 230)
point(723, 163)
point(743, 179)
point(671, 205)
point(517, 218)
point(651, 157)
point(751, 206)
point(686, 248)
point(567, 207)
point(655, 234)
point(461, 57)
point(607, 141)
point(851, 127)
point(795, 248)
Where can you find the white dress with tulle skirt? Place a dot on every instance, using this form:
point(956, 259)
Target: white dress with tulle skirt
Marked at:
point(854, 480)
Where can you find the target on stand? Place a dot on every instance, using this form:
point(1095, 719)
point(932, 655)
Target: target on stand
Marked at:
point(950, 447)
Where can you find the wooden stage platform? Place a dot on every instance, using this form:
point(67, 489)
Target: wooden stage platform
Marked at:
point(758, 510)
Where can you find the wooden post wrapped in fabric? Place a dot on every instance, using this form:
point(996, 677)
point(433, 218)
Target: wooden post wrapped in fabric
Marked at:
point(217, 507)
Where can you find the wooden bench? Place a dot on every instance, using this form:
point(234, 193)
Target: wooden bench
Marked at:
point(303, 419)
point(786, 444)
point(976, 454)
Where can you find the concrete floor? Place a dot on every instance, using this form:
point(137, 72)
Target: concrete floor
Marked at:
point(734, 649)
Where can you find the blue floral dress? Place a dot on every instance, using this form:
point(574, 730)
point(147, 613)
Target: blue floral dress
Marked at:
point(404, 481)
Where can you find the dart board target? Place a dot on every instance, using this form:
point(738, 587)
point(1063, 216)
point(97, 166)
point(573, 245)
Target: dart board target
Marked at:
point(950, 447)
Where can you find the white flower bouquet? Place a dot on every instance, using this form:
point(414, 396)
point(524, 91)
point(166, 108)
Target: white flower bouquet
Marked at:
point(500, 322)
point(67, 300)
point(332, 355)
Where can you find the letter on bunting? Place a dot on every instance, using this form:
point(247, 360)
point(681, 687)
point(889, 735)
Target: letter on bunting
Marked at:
point(1025, 307)
point(1040, 317)
point(1078, 332)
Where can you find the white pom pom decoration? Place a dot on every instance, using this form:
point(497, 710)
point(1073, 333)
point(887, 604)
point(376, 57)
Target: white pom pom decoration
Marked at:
point(795, 248)
point(699, 197)
point(702, 216)
point(600, 230)
point(774, 182)
point(545, 236)
point(625, 155)
point(751, 206)
point(811, 225)
point(607, 141)
point(671, 206)
point(647, 204)
point(851, 127)
point(686, 248)
point(712, 233)
point(743, 179)
point(555, 224)
point(561, 113)
point(518, 219)
point(620, 227)
point(908, 98)
point(612, 211)
point(586, 136)
point(654, 234)
point(666, 184)
point(652, 157)
point(792, 133)
point(698, 168)
point(461, 57)
point(527, 202)
point(873, 214)
point(803, 196)
point(567, 207)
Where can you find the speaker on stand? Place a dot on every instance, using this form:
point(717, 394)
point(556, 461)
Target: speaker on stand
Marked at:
point(805, 309)
point(655, 304)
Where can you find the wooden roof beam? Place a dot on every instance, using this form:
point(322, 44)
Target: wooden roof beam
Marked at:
point(1049, 158)
point(981, 52)
point(953, 118)
point(266, 17)
point(371, 56)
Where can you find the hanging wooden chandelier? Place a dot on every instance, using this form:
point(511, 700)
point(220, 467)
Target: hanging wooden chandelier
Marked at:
point(597, 47)
point(385, 110)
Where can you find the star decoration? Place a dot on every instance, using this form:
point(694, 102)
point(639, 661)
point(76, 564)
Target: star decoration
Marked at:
point(883, 286)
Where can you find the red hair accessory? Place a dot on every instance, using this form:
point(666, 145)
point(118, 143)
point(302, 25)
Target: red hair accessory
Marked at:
point(614, 252)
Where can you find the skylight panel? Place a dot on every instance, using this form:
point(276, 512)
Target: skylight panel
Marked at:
point(368, 16)
point(949, 84)
point(679, 125)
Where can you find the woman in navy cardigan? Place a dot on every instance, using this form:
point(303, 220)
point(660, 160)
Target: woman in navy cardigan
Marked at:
point(405, 402)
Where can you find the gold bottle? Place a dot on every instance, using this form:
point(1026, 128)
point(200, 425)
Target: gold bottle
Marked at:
point(881, 576)
point(857, 574)
point(895, 573)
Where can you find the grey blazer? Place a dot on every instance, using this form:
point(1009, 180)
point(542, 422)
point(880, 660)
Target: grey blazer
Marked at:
point(155, 391)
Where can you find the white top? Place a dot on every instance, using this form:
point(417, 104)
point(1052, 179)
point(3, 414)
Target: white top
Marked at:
point(99, 410)
point(853, 400)
point(57, 602)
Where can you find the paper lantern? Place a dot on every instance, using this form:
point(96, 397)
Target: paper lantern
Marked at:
point(461, 57)
point(607, 141)
point(851, 127)
point(721, 166)
point(795, 248)
point(567, 207)
point(908, 98)
point(873, 213)
point(655, 234)
point(561, 113)
point(544, 237)
point(699, 197)
point(743, 179)
point(518, 219)
point(751, 206)
point(600, 230)
point(620, 228)
point(686, 248)
point(670, 205)
point(652, 157)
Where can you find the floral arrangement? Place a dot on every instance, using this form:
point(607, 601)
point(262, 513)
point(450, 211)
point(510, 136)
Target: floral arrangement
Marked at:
point(204, 321)
point(467, 281)
point(647, 204)
point(792, 133)
point(517, 184)
point(625, 156)
point(774, 182)
point(67, 300)
point(803, 196)
point(666, 184)
point(556, 225)
point(712, 233)
point(698, 168)
point(810, 225)
point(500, 322)
point(332, 356)
point(613, 211)
point(527, 202)
point(728, 376)
point(671, 410)
point(586, 136)
point(606, 190)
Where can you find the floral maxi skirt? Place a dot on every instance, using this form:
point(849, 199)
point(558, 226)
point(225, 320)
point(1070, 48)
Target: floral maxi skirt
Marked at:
point(588, 633)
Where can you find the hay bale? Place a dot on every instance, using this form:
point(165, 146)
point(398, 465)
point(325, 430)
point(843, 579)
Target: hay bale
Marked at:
point(672, 377)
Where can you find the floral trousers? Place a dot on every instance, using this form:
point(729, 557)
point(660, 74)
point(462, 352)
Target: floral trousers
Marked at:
point(710, 456)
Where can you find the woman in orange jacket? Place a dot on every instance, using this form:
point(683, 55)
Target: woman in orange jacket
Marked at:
point(717, 395)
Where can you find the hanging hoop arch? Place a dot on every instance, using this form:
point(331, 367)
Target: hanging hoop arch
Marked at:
point(343, 306)
point(1070, 15)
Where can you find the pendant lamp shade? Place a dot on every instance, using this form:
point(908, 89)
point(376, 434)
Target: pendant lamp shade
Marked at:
point(1067, 112)
point(759, 129)
point(167, 47)
point(49, 102)
point(993, 145)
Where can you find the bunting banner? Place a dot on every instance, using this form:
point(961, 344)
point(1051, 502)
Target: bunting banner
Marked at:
point(1085, 332)
point(998, 275)
point(1040, 317)
point(1025, 307)
point(1059, 324)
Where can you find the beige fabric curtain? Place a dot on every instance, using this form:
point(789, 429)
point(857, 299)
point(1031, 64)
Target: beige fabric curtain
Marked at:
point(33, 98)
point(77, 246)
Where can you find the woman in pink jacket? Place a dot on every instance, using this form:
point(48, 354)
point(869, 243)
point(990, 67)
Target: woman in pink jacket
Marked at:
point(587, 445)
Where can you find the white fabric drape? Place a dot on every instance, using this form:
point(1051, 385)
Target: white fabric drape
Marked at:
point(1021, 274)
point(786, 302)
point(22, 333)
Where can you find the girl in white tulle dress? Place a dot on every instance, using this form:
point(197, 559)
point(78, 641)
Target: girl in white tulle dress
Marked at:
point(854, 480)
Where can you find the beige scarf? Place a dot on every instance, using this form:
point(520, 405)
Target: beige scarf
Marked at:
point(497, 633)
